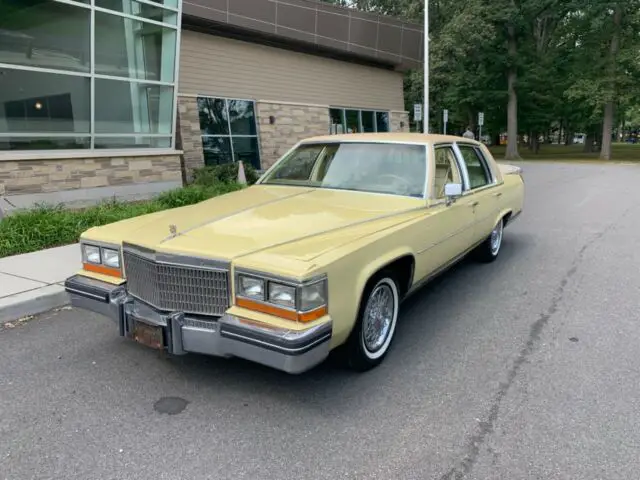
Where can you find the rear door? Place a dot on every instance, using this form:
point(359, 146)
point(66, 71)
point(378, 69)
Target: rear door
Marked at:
point(480, 188)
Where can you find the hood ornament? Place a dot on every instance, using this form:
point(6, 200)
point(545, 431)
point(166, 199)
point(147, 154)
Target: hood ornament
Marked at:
point(173, 230)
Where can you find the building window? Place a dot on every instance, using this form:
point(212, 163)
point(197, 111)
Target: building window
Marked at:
point(88, 74)
point(229, 131)
point(345, 120)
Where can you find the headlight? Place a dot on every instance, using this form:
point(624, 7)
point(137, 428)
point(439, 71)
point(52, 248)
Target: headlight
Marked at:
point(103, 260)
point(111, 258)
point(313, 296)
point(251, 287)
point(284, 295)
point(288, 299)
point(91, 254)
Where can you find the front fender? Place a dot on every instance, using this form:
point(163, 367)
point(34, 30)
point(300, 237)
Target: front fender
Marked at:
point(353, 275)
point(378, 264)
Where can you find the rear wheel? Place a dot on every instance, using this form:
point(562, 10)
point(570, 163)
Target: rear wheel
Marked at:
point(489, 250)
point(376, 324)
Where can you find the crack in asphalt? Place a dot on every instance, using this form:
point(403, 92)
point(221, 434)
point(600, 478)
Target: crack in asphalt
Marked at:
point(486, 427)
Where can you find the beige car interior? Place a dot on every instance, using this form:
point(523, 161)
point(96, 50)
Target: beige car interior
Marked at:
point(446, 170)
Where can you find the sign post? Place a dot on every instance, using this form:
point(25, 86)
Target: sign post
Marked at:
point(445, 118)
point(417, 112)
point(480, 124)
point(425, 93)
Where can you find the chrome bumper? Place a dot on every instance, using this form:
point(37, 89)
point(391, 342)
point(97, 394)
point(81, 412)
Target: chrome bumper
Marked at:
point(227, 336)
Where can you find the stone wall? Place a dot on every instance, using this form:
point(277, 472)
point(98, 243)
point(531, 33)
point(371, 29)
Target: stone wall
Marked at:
point(293, 122)
point(398, 117)
point(189, 125)
point(19, 177)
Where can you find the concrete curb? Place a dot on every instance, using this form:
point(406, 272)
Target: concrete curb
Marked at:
point(32, 302)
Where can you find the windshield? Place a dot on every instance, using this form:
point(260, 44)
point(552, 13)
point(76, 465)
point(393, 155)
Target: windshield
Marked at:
point(396, 169)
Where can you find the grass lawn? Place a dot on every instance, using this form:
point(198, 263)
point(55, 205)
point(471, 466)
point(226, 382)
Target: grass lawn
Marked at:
point(621, 152)
point(53, 226)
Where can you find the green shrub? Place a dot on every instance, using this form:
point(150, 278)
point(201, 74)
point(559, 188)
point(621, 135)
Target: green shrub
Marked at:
point(51, 226)
point(195, 194)
point(225, 173)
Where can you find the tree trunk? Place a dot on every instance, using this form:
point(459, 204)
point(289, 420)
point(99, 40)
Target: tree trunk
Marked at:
point(568, 139)
point(534, 142)
point(588, 142)
point(607, 124)
point(471, 122)
point(512, 107)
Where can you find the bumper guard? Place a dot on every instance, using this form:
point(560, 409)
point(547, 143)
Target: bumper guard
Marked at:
point(227, 336)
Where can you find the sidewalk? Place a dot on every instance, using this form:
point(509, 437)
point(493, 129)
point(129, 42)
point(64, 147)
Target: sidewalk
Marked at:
point(34, 282)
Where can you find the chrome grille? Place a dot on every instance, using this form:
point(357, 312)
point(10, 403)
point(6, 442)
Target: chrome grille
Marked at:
point(177, 288)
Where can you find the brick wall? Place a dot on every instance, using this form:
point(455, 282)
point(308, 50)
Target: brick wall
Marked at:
point(396, 118)
point(19, 177)
point(292, 123)
point(190, 134)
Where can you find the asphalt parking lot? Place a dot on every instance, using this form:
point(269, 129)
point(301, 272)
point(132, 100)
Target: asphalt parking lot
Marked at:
point(528, 368)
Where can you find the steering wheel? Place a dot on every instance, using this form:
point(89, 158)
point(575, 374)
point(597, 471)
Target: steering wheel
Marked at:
point(404, 181)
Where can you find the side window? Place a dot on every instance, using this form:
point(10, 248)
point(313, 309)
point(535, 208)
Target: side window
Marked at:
point(446, 170)
point(479, 173)
point(300, 165)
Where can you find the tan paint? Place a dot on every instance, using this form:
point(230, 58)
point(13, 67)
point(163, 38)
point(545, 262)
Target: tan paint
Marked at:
point(217, 66)
point(302, 232)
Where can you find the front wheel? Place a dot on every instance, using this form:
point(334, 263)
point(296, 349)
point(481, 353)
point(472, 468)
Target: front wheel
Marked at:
point(489, 249)
point(376, 324)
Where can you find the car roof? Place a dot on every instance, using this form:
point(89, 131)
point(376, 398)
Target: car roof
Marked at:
point(388, 137)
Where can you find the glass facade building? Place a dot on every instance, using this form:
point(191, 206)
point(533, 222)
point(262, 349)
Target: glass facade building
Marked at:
point(88, 74)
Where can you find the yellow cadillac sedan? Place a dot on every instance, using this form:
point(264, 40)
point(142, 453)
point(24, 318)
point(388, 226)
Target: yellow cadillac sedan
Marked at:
point(317, 255)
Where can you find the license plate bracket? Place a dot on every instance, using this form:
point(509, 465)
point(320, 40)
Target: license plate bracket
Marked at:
point(148, 335)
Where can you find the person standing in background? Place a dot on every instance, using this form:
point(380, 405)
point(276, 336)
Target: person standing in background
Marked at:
point(469, 134)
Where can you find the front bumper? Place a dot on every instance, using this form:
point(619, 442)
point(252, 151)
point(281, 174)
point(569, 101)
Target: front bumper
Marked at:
point(228, 336)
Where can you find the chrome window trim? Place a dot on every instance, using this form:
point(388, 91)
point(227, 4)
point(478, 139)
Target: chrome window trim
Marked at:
point(469, 190)
point(462, 169)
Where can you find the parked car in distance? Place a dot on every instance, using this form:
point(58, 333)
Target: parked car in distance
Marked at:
point(317, 255)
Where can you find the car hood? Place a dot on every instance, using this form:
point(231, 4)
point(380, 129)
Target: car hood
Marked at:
point(254, 219)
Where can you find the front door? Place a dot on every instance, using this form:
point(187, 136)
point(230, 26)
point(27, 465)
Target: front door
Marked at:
point(451, 226)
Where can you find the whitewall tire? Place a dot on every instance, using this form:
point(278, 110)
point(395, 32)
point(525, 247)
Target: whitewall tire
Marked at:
point(375, 326)
point(489, 250)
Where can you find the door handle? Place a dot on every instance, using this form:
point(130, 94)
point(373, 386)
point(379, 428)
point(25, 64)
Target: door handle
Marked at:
point(474, 204)
point(499, 194)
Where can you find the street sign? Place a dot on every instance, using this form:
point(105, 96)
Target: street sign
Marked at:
point(480, 124)
point(417, 112)
point(445, 115)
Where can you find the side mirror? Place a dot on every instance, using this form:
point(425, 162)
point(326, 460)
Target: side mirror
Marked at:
point(452, 191)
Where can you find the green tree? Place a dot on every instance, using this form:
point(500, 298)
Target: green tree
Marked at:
point(534, 67)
